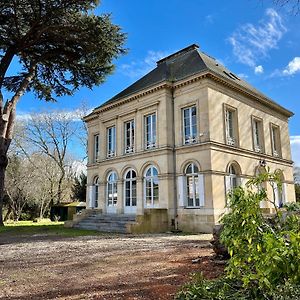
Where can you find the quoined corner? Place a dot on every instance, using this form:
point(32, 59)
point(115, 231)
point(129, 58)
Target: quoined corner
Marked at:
point(164, 153)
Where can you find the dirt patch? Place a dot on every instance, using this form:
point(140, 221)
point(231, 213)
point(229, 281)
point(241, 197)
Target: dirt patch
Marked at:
point(102, 267)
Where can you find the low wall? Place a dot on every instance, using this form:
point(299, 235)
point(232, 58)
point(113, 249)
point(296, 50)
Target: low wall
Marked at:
point(153, 221)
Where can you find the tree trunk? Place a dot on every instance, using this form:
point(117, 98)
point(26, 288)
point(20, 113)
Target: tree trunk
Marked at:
point(3, 165)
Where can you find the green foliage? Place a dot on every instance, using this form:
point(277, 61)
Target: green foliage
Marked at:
point(65, 44)
point(79, 188)
point(265, 253)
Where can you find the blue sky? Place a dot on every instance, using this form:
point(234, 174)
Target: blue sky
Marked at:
point(253, 38)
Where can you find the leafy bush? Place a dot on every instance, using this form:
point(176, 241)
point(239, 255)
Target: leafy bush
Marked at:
point(265, 254)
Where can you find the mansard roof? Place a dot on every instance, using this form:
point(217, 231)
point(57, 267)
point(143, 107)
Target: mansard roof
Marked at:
point(183, 64)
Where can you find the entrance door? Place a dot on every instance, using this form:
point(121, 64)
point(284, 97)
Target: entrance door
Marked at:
point(130, 192)
point(112, 193)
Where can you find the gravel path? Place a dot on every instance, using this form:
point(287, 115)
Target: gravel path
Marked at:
point(101, 267)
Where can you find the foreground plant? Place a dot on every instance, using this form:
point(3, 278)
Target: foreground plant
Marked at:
point(264, 254)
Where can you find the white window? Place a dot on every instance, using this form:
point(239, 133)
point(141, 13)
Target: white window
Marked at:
point(96, 148)
point(191, 188)
point(230, 123)
point(190, 125)
point(151, 187)
point(96, 191)
point(257, 129)
point(111, 141)
point(275, 137)
point(233, 179)
point(112, 194)
point(150, 131)
point(130, 189)
point(129, 136)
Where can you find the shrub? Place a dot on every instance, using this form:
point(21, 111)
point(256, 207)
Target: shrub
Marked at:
point(265, 254)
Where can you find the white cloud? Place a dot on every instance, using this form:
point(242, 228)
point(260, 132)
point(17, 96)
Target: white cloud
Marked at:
point(259, 69)
point(295, 147)
point(251, 42)
point(292, 67)
point(139, 68)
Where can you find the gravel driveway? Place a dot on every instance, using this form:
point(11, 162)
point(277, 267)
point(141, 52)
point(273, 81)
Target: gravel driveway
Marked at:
point(101, 267)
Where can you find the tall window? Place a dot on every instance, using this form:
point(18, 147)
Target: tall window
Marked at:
point(112, 194)
point(96, 147)
point(257, 129)
point(190, 125)
point(150, 131)
point(275, 137)
point(96, 191)
point(192, 185)
point(233, 177)
point(129, 136)
point(231, 126)
point(111, 141)
point(130, 188)
point(151, 187)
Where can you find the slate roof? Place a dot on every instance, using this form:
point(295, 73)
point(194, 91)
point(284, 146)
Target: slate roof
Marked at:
point(180, 65)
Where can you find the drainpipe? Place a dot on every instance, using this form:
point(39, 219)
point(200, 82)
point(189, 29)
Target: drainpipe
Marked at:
point(174, 160)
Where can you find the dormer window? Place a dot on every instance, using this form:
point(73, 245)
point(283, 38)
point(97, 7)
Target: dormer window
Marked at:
point(190, 125)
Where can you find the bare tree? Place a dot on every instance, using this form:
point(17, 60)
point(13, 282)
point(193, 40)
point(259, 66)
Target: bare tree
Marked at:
point(51, 134)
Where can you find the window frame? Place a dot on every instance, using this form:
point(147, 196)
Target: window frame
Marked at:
point(132, 199)
point(234, 139)
point(114, 189)
point(275, 143)
point(258, 146)
point(131, 147)
point(193, 137)
point(111, 152)
point(151, 178)
point(195, 184)
point(96, 191)
point(96, 148)
point(147, 144)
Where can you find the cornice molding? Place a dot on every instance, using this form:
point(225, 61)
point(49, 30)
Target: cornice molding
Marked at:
point(169, 85)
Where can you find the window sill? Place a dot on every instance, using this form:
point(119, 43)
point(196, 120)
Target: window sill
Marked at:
point(193, 207)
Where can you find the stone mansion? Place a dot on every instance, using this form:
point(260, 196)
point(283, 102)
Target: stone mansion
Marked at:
point(169, 148)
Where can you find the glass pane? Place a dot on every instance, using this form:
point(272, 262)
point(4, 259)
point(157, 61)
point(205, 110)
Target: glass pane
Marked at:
point(196, 187)
point(133, 193)
point(154, 171)
point(189, 169)
point(190, 191)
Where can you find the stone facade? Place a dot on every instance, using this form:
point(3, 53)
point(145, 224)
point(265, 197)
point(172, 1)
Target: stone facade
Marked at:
point(194, 138)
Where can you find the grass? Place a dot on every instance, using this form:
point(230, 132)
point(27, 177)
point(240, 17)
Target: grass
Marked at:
point(44, 227)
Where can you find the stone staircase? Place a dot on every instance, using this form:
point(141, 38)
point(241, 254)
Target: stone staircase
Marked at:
point(106, 223)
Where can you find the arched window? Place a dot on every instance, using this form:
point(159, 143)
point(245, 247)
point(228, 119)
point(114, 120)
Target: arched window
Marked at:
point(112, 189)
point(233, 177)
point(130, 191)
point(232, 180)
point(192, 185)
point(151, 186)
point(96, 191)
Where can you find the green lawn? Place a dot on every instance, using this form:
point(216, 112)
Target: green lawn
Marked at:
point(44, 227)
